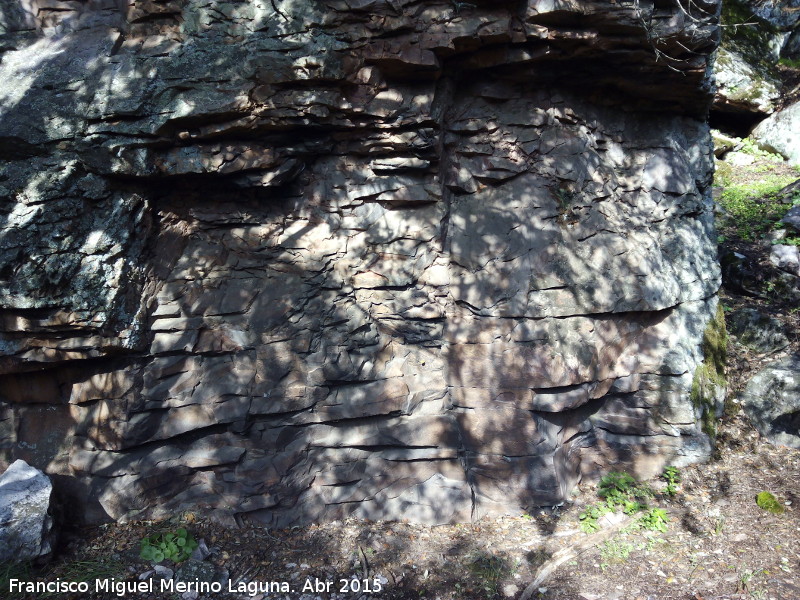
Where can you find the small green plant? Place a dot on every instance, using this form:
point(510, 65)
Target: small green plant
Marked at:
point(673, 477)
point(719, 525)
point(176, 546)
point(655, 519)
point(8, 571)
point(620, 491)
point(751, 147)
point(769, 503)
point(616, 550)
point(744, 580)
point(615, 485)
point(590, 517)
point(489, 570)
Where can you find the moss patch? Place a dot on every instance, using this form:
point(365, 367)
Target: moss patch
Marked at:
point(768, 502)
point(709, 376)
point(746, 33)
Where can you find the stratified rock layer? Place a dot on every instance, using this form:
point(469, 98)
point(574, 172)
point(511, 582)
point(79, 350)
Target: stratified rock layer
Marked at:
point(296, 261)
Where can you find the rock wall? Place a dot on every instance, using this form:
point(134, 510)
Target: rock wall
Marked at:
point(293, 261)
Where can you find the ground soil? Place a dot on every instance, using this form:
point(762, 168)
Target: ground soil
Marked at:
point(719, 545)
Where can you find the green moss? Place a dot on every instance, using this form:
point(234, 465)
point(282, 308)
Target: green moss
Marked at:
point(709, 376)
point(723, 173)
point(768, 502)
point(746, 33)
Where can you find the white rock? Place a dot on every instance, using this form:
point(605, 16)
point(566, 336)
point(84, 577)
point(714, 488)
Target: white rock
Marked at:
point(25, 526)
point(781, 133)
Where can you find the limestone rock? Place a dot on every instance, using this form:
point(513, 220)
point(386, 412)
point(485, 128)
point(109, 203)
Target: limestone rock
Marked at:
point(293, 261)
point(780, 133)
point(25, 525)
point(743, 87)
point(786, 258)
point(792, 218)
point(757, 331)
point(772, 401)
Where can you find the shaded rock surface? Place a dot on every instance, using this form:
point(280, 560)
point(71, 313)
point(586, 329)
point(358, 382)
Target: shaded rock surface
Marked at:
point(757, 331)
point(772, 401)
point(296, 261)
point(25, 525)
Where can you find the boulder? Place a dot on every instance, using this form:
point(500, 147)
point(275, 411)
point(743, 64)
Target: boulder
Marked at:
point(25, 525)
point(780, 133)
point(786, 258)
point(792, 218)
point(723, 143)
point(742, 86)
point(781, 14)
point(757, 331)
point(772, 401)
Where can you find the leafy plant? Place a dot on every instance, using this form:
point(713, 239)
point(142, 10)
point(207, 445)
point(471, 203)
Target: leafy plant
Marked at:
point(750, 147)
point(673, 477)
point(620, 491)
point(616, 550)
point(590, 517)
point(769, 503)
point(615, 485)
point(655, 519)
point(176, 546)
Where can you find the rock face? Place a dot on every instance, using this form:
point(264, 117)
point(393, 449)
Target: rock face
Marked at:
point(772, 401)
point(296, 261)
point(25, 525)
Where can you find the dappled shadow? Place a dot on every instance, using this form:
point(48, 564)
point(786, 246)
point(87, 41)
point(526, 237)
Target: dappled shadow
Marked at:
point(266, 273)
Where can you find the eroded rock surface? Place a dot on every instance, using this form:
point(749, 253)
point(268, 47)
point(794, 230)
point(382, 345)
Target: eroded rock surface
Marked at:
point(300, 260)
point(772, 402)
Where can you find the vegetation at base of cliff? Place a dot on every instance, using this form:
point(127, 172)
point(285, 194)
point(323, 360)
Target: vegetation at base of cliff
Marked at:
point(622, 492)
point(489, 570)
point(9, 571)
point(175, 546)
point(709, 376)
point(751, 207)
